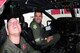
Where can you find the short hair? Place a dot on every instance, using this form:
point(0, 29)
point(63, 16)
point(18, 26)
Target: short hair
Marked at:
point(37, 10)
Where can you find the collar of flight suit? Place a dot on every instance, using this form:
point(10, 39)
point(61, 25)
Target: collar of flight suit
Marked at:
point(13, 46)
point(41, 25)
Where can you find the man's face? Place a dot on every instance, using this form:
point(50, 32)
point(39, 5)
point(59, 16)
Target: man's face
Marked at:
point(38, 17)
point(14, 26)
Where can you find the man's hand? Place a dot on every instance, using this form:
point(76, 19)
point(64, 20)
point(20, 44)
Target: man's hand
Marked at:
point(48, 39)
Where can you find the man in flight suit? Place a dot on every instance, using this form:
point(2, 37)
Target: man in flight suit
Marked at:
point(15, 43)
point(40, 35)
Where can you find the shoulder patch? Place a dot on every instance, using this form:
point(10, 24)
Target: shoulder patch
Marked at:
point(34, 27)
point(23, 46)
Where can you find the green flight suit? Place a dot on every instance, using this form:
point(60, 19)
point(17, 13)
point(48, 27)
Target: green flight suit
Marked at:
point(9, 47)
point(39, 35)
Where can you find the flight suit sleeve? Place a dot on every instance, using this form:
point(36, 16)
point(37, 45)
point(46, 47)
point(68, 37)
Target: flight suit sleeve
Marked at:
point(35, 29)
point(38, 34)
point(38, 31)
